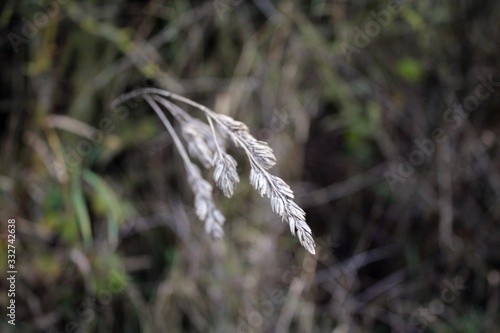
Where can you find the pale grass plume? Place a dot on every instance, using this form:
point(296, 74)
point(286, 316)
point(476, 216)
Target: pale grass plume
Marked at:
point(206, 142)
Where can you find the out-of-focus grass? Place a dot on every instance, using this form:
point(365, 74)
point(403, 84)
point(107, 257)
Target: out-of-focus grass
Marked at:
point(106, 236)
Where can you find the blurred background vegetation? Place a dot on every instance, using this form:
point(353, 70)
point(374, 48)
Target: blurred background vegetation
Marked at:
point(107, 240)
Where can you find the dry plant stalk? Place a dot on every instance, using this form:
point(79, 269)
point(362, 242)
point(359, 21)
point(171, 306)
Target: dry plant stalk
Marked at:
point(206, 142)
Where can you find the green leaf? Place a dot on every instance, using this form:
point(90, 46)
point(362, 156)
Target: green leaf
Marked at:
point(409, 69)
point(82, 215)
point(110, 200)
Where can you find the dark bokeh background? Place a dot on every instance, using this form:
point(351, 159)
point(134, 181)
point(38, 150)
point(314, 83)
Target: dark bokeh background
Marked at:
point(384, 119)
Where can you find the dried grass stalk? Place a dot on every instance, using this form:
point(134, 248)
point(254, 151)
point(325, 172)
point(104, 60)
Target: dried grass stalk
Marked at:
point(208, 146)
